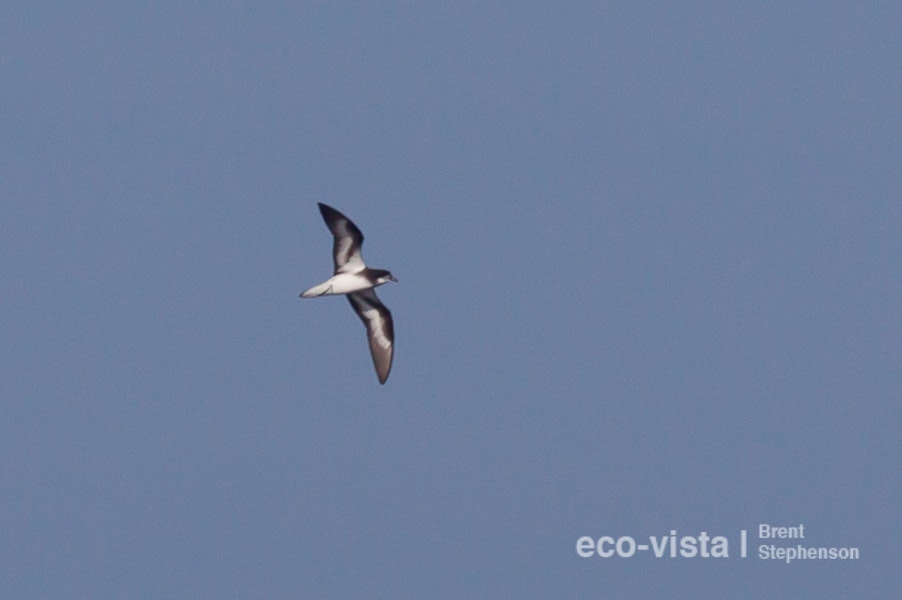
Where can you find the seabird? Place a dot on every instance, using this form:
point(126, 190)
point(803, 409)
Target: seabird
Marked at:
point(357, 281)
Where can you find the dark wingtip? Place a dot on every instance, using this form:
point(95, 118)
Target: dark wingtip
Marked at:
point(329, 213)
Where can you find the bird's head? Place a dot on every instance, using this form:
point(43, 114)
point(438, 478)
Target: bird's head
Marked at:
point(385, 277)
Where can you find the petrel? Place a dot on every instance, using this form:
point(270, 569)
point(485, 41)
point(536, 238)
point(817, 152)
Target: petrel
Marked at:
point(357, 281)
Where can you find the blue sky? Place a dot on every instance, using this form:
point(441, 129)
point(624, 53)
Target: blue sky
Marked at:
point(649, 280)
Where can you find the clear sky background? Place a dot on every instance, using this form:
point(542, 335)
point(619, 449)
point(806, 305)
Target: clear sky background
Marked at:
point(649, 264)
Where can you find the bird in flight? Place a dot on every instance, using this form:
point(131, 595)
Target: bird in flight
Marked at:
point(358, 282)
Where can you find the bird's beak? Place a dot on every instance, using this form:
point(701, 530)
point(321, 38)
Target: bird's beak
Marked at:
point(393, 279)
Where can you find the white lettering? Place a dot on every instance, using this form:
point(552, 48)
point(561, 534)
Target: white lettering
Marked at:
point(658, 545)
point(789, 554)
point(766, 531)
point(585, 546)
point(688, 546)
point(720, 547)
point(605, 539)
point(626, 541)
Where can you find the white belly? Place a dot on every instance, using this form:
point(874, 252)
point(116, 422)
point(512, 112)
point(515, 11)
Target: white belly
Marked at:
point(343, 283)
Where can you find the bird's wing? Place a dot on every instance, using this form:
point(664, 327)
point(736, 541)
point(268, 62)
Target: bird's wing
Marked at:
point(380, 329)
point(347, 243)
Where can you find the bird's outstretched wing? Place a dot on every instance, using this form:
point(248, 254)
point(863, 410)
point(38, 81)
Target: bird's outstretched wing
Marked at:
point(347, 243)
point(380, 329)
